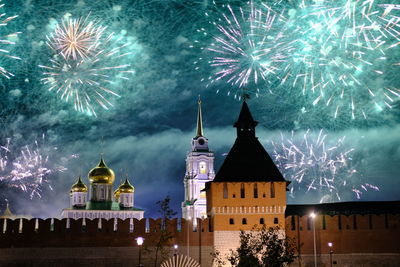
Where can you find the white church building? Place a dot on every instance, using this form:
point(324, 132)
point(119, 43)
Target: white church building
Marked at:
point(199, 170)
point(102, 202)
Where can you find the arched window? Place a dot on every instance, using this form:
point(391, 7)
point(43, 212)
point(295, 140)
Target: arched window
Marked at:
point(231, 221)
point(276, 221)
point(203, 167)
point(293, 224)
point(225, 190)
point(242, 192)
point(355, 222)
point(369, 221)
point(272, 190)
point(202, 193)
point(255, 191)
point(262, 221)
point(244, 221)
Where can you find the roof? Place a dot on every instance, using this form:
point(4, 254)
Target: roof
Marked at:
point(345, 208)
point(245, 117)
point(199, 128)
point(248, 160)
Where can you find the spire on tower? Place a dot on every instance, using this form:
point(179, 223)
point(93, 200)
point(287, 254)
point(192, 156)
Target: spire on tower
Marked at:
point(199, 130)
point(245, 124)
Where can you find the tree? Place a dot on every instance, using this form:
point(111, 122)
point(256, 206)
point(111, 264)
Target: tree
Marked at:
point(167, 214)
point(263, 247)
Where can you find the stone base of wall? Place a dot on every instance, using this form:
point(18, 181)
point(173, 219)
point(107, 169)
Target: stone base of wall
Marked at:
point(349, 260)
point(225, 241)
point(94, 256)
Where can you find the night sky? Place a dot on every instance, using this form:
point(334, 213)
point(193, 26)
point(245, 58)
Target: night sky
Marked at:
point(148, 131)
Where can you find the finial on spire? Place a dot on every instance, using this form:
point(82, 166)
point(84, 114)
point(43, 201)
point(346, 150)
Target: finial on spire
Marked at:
point(245, 94)
point(199, 130)
point(101, 163)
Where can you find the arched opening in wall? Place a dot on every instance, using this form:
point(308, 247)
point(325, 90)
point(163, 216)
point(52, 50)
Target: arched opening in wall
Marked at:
point(386, 221)
point(354, 222)
point(225, 190)
point(231, 221)
point(102, 193)
point(262, 221)
point(293, 224)
point(370, 221)
point(242, 191)
point(255, 191)
point(203, 167)
point(272, 190)
point(244, 221)
point(276, 221)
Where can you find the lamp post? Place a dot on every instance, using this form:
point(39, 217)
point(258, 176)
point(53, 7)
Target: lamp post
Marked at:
point(330, 245)
point(139, 241)
point(313, 216)
point(175, 254)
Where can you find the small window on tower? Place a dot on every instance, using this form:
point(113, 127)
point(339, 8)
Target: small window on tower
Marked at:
point(225, 190)
point(202, 193)
point(203, 167)
point(272, 190)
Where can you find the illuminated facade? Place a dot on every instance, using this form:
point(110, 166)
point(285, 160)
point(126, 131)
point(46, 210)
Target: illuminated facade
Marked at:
point(103, 203)
point(248, 189)
point(199, 170)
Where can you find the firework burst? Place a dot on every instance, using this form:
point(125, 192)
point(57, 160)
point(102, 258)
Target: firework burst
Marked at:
point(248, 47)
point(86, 63)
point(28, 169)
point(342, 54)
point(6, 40)
point(313, 164)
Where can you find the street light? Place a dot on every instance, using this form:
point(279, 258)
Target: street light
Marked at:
point(139, 241)
point(330, 245)
point(175, 254)
point(313, 215)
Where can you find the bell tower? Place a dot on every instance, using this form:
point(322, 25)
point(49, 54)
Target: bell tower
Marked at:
point(199, 170)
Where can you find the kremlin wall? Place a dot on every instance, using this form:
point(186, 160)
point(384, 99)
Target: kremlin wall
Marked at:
point(49, 242)
point(100, 227)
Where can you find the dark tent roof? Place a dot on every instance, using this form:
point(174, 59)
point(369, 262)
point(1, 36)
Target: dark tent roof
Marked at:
point(247, 160)
point(245, 117)
point(345, 208)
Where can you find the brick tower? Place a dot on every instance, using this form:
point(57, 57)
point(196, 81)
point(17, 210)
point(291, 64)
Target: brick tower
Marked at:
point(247, 190)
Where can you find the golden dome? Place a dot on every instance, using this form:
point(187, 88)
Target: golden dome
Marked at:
point(126, 187)
point(79, 186)
point(101, 174)
point(116, 193)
